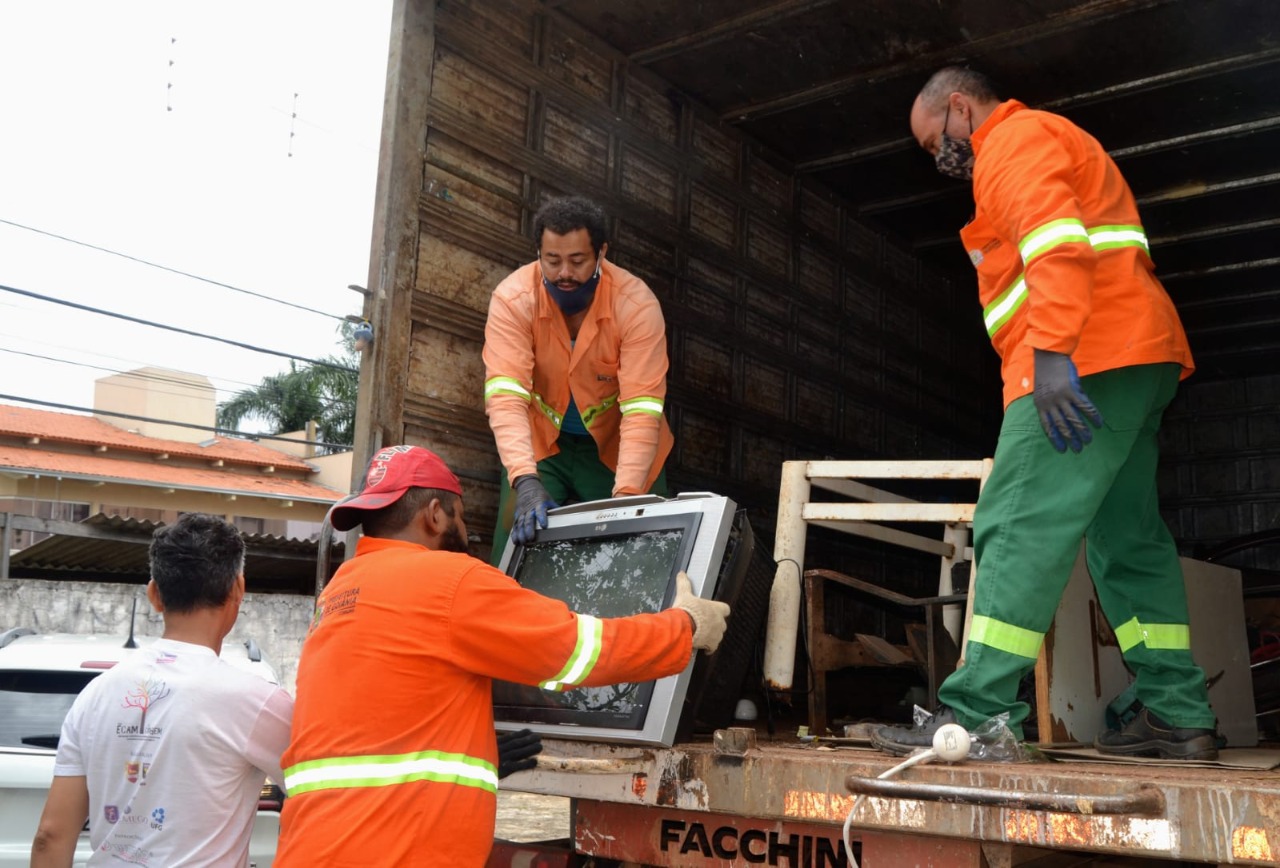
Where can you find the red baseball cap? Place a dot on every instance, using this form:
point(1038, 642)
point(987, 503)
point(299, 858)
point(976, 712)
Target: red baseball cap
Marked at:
point(392, 472)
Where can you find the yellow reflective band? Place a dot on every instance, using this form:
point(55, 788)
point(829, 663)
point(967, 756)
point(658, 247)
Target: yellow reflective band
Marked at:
point(388, 770)
point(642, 404)
point(1129, 634)
point(1050, 235)
point(549, 411)
point(584, 656)
point(590, 414)
point(1005, 306)
point(1005, 637)
point(504, 386)
point(1167, 637)
point(1110, 237)
point(1157, 637)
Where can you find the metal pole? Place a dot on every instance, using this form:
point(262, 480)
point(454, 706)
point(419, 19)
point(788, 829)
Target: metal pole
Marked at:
point(784, 598)
point(6, 543)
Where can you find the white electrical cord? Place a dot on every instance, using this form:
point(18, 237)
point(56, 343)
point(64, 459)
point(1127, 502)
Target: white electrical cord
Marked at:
point(950, 744)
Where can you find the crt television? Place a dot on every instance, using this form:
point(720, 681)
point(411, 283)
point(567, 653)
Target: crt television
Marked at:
point(612, 558)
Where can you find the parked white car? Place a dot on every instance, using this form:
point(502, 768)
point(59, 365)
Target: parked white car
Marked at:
point(40, 676)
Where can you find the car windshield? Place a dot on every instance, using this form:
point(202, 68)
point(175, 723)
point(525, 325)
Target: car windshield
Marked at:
point(33, 704)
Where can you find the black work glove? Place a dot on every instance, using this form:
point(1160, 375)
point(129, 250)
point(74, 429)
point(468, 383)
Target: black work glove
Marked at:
point(532, 503)
point(1062, 404)
point(517, 751)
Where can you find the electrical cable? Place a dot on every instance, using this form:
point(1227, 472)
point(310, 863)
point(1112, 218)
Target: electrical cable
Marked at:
point(170, 269)
point(150, 378)
point(320, 362)
point(226, 432)
point(950, 744)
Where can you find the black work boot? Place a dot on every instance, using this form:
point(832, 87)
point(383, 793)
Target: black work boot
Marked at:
point(902, 740)
point(1148, 735)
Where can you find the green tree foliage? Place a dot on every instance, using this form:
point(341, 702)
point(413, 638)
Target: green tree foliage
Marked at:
point(306, 392)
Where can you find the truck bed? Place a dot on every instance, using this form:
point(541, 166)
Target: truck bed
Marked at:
point(644, 805)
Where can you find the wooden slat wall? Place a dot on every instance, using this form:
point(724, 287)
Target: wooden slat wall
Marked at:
point(794, 331)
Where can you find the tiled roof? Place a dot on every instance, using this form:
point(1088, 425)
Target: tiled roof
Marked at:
point(163, 474)
point(52, 426)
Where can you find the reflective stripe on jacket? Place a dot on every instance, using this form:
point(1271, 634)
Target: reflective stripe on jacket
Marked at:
point(392, 759)
point(616, 370)
point(1062, 259)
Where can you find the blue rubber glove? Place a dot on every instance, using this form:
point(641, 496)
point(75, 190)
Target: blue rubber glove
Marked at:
point(1062, 404)
point(532, 503)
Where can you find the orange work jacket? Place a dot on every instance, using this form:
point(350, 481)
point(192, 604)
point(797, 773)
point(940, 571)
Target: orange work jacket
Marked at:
point(1062, 258)
point(616, 371)
point(392, 758)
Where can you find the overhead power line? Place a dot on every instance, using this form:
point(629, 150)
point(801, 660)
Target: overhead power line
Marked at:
point(150, 378)
point(158, 379)
point(170, 270)
point(238, 435)
point(320, 362)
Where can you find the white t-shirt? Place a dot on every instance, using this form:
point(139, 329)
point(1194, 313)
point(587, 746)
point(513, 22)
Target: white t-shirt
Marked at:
point(175, 744)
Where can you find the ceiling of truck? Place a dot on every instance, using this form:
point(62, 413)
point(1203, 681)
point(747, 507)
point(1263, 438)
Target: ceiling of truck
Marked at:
point(1185, 94)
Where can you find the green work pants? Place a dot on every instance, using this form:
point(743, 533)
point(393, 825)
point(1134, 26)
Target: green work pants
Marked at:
point(575, 474)
point(1035, 508)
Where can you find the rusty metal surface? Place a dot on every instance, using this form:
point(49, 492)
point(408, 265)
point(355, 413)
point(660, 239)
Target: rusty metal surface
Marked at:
point(688, 839)
point(1144, 800)
point(1212, 815)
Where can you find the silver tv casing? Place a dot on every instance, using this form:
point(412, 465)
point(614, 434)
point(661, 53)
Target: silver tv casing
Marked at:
point(705, 559)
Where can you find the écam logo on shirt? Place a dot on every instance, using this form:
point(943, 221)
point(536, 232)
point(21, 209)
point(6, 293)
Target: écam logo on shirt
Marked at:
point(143, 696)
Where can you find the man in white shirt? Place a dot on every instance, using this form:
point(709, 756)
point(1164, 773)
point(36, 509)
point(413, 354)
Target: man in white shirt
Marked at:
point(166, 752)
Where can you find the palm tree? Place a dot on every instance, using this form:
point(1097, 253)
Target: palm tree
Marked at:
point(323, 393)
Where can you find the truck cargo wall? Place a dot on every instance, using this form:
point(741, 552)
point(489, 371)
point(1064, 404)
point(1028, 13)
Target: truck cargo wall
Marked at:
point(1221, 465)
point(793, 330)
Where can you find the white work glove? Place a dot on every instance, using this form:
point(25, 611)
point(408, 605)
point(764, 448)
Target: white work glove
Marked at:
point(708, 615)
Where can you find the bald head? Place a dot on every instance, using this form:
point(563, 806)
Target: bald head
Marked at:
point(953, 93)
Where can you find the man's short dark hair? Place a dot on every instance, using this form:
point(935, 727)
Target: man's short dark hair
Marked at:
point(195, 562)
point(394, 518)
point(567, 213)
point(957, 79)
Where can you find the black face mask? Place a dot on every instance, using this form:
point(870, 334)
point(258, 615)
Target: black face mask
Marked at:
point(955, 156)
point(571, 301)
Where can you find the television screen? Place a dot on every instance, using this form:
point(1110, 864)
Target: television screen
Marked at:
point(609, 576)
point(614, 558)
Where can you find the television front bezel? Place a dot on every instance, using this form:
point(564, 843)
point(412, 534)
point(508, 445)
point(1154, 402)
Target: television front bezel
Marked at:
point(703, 554)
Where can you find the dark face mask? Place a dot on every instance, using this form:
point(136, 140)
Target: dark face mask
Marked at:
point(955, 156)
point(573, 301)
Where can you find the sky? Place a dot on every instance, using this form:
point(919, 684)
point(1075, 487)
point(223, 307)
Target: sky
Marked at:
point(166, 131)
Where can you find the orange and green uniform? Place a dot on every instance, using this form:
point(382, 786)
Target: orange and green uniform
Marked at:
point(615, 372)
point(1063, 264)
point(392, 759)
